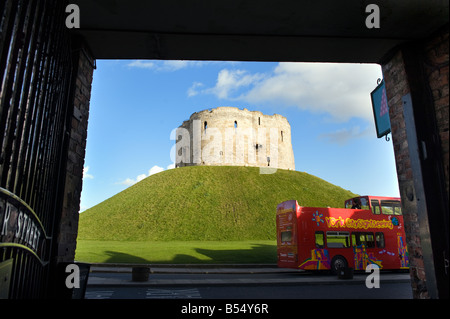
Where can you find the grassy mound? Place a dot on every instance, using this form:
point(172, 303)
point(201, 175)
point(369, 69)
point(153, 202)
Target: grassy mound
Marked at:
point(205, 203)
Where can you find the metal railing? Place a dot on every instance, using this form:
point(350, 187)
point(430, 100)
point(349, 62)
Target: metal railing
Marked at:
point(35, 79)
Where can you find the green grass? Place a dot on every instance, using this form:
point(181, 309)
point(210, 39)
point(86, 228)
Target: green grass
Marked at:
point(204, 203)
point(177, 252)
point(202, 214)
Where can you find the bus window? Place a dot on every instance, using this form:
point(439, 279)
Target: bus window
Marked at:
point(364, 203)
point(356, 203)
point(370, 241)
point(286, 236)
point(379, 237)
point(355, 240)
point(375, 206)
point(338, 239)
point(391, 207)
point(367, 239)
point(319, 239)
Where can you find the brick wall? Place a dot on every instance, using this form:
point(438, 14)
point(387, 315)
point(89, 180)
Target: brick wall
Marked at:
point(397, 86)
point(76, 151)
point(435, 64)
point(436, 67)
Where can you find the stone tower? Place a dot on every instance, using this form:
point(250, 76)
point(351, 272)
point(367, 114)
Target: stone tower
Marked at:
point(228, 136)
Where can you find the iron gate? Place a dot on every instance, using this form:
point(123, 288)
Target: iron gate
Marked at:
point(35, 79)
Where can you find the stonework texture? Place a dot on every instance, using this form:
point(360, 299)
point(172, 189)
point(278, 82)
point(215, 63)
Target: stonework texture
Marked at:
point(436, 52)
point(76, 152)
point(437, 69)
point(228, 136)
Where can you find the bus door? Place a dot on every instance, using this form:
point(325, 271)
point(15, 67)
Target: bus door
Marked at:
point(287, 246)
point(396, 242)
point(366, 246)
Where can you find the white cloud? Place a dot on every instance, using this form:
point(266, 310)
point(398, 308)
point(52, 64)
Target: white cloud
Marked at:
point(168, 65)
point(142, 64)
point(154, 170)
point(339, 90)
point(178, 64)
point(85, 173)
point(343, 136)
point(159, 65)
point(193, 90)
point(128, 182)
point(140, 177)
point(230, 81)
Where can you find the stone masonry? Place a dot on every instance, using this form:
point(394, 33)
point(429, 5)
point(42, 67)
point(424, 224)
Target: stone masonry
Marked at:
point(229, 136)
point(398, 84)
point(83, 69)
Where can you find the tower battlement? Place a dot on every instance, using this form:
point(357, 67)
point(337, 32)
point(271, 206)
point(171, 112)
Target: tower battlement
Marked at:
point(228, 136)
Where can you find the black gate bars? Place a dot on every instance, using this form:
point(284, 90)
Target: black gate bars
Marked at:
point(35, 79)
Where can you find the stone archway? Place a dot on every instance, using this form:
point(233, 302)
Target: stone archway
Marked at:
point(413, 53)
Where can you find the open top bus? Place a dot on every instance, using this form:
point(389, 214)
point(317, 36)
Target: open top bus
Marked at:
point(370, 230)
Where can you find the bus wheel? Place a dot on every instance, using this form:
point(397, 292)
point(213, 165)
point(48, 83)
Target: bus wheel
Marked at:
point(336, 263)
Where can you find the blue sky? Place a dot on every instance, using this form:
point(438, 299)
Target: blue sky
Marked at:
point(135, 105)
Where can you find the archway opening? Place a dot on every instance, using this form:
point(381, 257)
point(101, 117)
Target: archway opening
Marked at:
point(136, 105)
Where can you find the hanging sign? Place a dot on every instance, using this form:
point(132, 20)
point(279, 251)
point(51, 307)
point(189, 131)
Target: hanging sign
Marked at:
point(381, 110)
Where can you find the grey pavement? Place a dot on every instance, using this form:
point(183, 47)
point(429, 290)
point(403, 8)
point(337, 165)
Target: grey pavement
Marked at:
point(121, 275)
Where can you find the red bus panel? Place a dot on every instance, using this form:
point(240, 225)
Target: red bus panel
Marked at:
point(317, 238)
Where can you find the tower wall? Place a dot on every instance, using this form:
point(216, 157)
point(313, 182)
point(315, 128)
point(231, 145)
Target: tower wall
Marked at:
point(228, 136)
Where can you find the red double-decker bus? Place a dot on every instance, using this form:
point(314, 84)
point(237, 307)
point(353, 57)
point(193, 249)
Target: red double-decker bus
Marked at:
point(369, 230)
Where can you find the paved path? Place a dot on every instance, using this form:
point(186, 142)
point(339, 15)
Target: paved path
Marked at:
point(120, 275)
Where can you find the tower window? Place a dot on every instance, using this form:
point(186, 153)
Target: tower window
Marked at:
point(205, 126)
point(235, 124)
point(282, 136)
